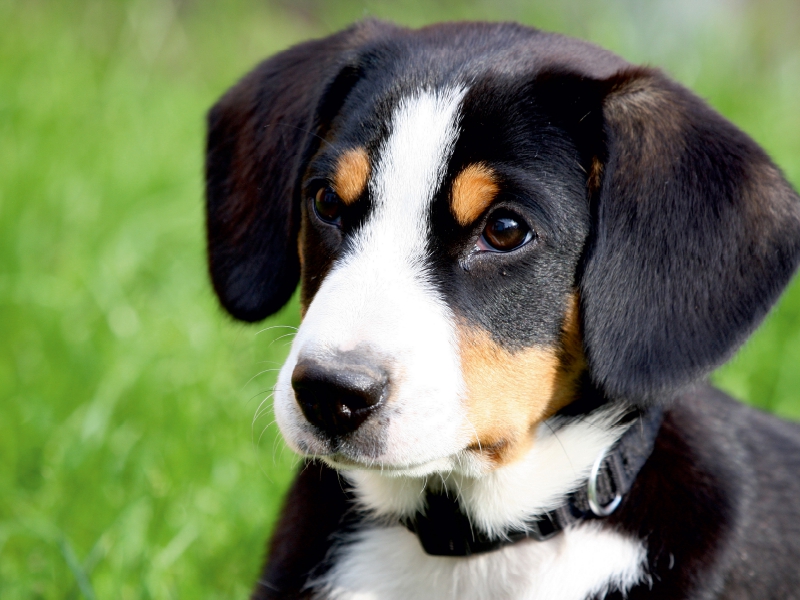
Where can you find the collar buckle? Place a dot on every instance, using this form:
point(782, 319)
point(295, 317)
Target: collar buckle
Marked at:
point(598, 509)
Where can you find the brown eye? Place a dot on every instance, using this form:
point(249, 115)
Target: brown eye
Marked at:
point(504, 232)
point(328, 205)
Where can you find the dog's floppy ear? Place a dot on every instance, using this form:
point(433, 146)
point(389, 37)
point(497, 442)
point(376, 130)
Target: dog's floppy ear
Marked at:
point(695, 234)
point(261, 134)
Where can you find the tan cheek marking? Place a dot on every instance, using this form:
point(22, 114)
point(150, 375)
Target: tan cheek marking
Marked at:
point(352, 172)
point(301, 246)
point(510, 393)
point(507, 392)
point(595, 176)
point(571, 360)
point(473, 190)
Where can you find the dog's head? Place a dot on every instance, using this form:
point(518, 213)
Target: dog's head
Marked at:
point(484, 219)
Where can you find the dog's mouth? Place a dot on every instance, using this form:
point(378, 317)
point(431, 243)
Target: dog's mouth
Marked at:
point(343, 462)
point(370, 454)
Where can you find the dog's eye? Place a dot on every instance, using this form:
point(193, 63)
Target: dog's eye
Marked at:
point(504, 232)
point(328, 205)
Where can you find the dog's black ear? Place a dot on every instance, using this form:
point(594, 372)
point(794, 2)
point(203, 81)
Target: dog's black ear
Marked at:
point(695, 234)
point(261, 134)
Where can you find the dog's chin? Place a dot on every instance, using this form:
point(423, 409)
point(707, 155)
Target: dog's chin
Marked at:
point(342, 462)
point(348, 456)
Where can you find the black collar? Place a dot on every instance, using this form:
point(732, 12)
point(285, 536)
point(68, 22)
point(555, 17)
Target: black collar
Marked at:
point(446, 531)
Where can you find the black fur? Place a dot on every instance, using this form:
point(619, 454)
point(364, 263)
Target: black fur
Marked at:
point(696, 233)
point(674, 228)
point(718, 503)
point(316, 508)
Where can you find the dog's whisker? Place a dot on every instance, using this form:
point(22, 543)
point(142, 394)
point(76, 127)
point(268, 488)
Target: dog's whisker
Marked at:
point(260, 405)
point(555, 435)
point(258, 375)
point(262, 411)
point(275, 442)
point(271, 327)
point(261, 435)
point(280, 337)
point(260, 393)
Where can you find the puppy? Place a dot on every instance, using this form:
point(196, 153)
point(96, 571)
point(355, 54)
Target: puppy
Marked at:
point(519, 257)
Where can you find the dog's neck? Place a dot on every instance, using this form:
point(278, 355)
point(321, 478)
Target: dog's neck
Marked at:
point(558, 463)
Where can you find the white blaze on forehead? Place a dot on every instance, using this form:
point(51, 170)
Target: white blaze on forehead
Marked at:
point(390, 251)
point(378, 296)
point(412, 163)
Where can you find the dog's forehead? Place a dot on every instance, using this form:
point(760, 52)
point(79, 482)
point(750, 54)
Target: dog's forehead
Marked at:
point(403, 172)
point(393, 147)
point(423, 130)
point(375, 109)
point(405, 139)
point(452, 144)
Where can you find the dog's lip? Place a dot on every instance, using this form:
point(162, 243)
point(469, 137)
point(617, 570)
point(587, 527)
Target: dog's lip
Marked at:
point(341, 461)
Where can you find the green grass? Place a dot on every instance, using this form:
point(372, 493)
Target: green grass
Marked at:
point(132, 465)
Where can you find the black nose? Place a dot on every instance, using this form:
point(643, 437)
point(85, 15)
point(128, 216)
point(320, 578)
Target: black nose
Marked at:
point(339, 394)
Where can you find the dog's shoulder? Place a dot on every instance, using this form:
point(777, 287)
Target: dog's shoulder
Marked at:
point(717, 501)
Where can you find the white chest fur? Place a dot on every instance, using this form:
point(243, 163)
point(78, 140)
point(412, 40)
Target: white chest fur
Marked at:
point(385, 562)
point(389, 564)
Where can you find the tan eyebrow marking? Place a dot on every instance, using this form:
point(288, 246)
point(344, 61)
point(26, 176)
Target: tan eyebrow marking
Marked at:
point(473, 190)
point(352, 172)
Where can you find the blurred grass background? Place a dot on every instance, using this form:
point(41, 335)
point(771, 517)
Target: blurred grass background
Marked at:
point(136, 457)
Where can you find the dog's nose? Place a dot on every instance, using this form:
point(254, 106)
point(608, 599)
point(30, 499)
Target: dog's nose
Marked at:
point(339, 394)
